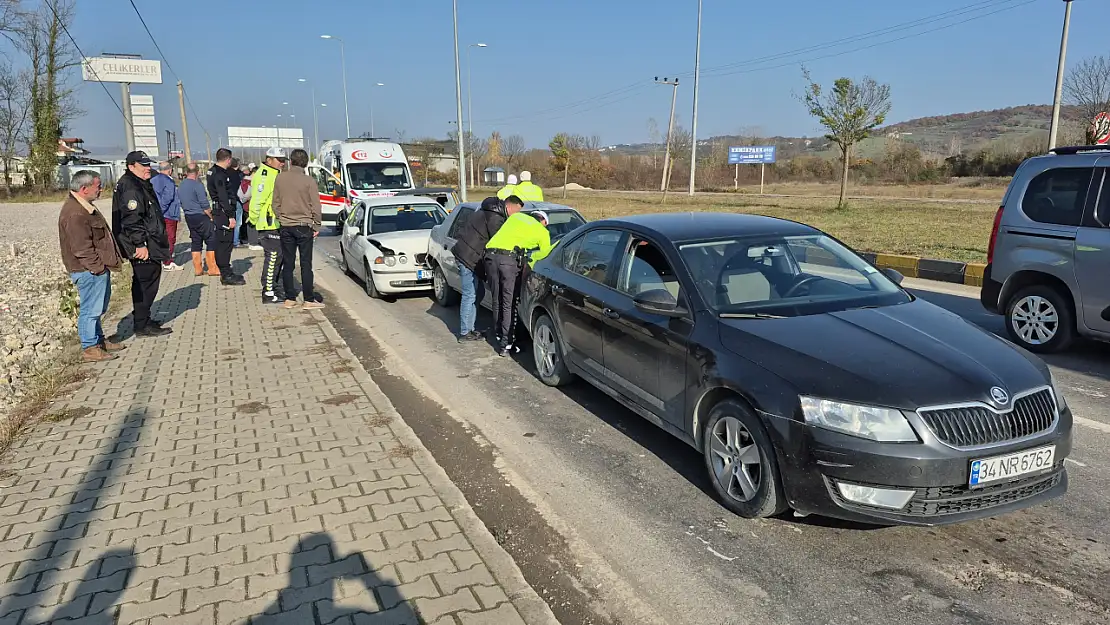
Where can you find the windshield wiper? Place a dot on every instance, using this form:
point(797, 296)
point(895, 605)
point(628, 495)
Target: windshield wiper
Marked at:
point(750, 316)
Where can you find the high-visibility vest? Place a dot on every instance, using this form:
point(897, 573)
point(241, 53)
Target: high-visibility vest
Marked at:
point(506, 191)
point(529, 192)
point(261, 212)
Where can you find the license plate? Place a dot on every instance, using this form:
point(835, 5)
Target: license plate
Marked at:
point(423, 274)
point(1010, 466)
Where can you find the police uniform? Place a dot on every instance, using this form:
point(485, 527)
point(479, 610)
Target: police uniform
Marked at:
point(224, 192)
point(519, 234)
point(137, 223)
point(266, 224)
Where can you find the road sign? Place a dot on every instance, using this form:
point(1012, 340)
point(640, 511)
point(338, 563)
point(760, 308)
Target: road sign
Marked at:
point(1101, 128)
point(263, 137)
point(177, 154)
point(751, 154)
point(100, 69)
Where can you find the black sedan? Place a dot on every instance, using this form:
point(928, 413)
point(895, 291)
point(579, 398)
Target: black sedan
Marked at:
point(808, 379)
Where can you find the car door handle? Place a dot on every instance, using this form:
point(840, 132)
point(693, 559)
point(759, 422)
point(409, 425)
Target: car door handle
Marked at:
point(610, 313)
point(558, 289)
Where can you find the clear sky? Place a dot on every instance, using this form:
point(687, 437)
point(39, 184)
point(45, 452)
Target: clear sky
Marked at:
point(581, 66)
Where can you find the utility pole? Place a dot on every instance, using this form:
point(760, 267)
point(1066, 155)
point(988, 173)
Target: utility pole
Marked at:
point(458, 103)
point(208, 145)
point(670, 130)
point(184, 121)
point(1054, 130)
point(694, 122)
point(129, 127)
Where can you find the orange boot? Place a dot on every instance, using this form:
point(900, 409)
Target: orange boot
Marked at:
point(213, 270)
point(198, 264)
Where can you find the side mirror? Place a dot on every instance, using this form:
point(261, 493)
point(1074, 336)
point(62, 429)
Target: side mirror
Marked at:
point(658, 302)
point(894, 275)
point(338, 191)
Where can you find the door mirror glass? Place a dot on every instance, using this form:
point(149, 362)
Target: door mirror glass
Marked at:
point(658, 302)
point(895, 276)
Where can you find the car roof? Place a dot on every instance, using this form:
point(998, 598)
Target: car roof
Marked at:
point(393, 200)
point(679, 227)
point(549, 207)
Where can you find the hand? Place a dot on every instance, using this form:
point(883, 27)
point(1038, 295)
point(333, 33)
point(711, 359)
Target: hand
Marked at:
point(208, 213)
point(141, 253)
point(315, 233)
point(230, 224)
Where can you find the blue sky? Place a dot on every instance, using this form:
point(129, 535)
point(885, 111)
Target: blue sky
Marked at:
point(548, 61)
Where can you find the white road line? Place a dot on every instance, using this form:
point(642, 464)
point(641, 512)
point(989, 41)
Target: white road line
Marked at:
point(1091, 423)
point(1075, 462)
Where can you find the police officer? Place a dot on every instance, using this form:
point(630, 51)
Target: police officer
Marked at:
point(520, 234)
point(508, 189)
point(528, 190)
point(140, 231)
point(223, 189)
point(266, 223)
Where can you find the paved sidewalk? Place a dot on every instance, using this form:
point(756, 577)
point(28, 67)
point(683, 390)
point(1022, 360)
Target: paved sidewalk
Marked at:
point(244, 468)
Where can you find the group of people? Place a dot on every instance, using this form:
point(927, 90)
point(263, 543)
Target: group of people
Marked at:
point(524, 189)
point(281, 204)
point(495, 246)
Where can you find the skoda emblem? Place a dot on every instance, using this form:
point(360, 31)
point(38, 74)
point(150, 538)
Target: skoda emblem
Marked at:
point(1000, 396)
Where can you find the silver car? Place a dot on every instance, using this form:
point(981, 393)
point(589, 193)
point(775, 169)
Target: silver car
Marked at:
point(1049, 253)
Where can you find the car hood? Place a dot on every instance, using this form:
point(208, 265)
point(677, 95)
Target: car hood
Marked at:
point(905, 356)
point(407, 241)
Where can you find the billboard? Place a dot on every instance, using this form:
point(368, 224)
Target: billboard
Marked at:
point(102, 69)
point(144, 129)
point(262, 138)
point(751, 154)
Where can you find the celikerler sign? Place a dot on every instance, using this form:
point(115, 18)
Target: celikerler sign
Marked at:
point(100, 69)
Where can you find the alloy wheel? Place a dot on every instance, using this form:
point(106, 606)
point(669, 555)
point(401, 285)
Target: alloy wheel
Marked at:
point(1035, 320)
point(737, 462)
point(439, 285)
point(545, 350)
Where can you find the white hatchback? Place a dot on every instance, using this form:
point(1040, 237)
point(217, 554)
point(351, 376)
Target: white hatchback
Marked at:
point(385, 243)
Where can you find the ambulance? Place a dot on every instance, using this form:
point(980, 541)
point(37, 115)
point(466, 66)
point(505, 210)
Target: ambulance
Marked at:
point(365, 169)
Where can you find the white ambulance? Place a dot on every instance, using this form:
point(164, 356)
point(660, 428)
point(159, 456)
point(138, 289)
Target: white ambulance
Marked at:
point(366, 169)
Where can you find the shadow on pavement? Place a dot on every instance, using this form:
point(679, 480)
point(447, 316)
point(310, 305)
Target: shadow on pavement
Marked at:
point(167, 308)
point(338, 586)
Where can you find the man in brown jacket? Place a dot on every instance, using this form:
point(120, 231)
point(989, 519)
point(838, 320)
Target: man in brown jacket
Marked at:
point(297, 207)
point(89, 253)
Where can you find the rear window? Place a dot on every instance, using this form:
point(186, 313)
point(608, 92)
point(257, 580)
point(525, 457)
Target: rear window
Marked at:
point(1058, 196)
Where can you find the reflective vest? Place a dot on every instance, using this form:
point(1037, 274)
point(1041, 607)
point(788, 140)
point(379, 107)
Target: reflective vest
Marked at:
point(261, 212)
point(505, 191)
point(524, 231)
point(529, 192)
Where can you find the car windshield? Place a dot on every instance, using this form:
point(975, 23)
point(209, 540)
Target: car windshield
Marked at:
point(375, 176)
point(559, 223)
point(404, 217)
point(786, 276)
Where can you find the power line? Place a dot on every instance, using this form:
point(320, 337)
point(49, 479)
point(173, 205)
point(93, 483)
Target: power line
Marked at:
point(84, 59)
point(168, 66)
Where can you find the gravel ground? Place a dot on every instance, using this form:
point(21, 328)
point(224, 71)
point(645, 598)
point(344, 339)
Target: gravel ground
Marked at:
point(32, 326)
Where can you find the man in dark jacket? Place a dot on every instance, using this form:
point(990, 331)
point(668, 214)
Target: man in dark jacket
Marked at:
point(469, 250)
point(140, 231)
point(223, 189)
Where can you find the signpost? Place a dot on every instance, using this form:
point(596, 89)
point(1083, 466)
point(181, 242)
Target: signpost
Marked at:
point(1100, 129)
point(138, 111)
point(258, 139)
point(751, 155)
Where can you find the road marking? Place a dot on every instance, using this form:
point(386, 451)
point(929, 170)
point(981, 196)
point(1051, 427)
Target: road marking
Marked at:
point(1087, 391)
point(1075, 462)
point(1091, 423)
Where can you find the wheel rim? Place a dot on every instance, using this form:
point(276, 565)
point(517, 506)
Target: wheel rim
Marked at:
point(1035, 320)
point(545, 351)
point(438, 285)
point(737, 461)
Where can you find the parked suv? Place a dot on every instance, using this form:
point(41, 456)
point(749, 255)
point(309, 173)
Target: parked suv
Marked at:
point(1049, 253)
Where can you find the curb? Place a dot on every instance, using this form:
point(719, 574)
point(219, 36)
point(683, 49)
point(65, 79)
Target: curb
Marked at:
point(970, 274)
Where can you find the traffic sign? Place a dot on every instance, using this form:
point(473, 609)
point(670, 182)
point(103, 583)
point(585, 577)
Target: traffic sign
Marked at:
point(1101, 128)
point(751, 154)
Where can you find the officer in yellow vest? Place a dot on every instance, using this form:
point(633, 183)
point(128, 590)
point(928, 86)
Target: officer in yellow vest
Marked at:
point(527, 190)
point(505, 253)
point(266, 223)
point(508, 189)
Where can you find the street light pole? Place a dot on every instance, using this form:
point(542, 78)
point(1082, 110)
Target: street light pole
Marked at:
point(372, 132)
point(458, 102)
point(469, 99)
point(694, 122)
point(343, 61)
point(1054, 130)
point(315, 119)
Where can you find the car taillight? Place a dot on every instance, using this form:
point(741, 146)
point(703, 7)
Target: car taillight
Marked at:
point(994, 235)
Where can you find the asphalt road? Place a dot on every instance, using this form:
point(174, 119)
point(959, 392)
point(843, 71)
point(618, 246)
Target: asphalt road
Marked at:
point(629, 532)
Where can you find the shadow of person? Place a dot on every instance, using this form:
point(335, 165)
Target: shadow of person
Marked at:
point(101, 585)
point(334, 586)
point(242, 265)
point(169, 307)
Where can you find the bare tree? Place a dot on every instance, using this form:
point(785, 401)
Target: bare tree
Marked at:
point(477, 149)
point(15, 109)
point(512, 149)
point(1087, 86)
point(850, 111)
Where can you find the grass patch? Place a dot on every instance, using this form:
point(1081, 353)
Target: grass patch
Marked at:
point(339, 400)
point(47, 381)
point(279, 357)
point(322, 348)
point(402, 451)
point(251, 407)
point(67, 414)
point(342, 368)
point(379, 421)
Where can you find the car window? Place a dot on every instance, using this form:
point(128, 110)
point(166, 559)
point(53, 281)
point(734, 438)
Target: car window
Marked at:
point(562, 223)
point(321, 178)
point(356, 218)
point(1101, 215)
point(1058, 196)
point(595, 255)
point(375, 176)
point(461, 215)
point(645, 268)
point(404, 217)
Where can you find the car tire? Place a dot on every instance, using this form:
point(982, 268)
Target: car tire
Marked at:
point(735, 435)
point(442, 292)
point(547, 354)
point(1039, 319)
point(368, 283)
point(343, 262)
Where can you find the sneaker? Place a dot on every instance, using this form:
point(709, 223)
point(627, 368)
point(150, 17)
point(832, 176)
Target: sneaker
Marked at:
point(312, 306)
point(232, 280)
point(96, 354)
point(152, 330)
point(290, 304)
point(271, 298)
point(171, 267)
point(505, 351)
point(472, 336)
point(255, 248)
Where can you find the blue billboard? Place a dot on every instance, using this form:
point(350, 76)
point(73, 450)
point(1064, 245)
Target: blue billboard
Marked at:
point(751, 154)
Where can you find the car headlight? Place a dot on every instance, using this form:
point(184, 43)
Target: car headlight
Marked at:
point(390, 261)
point(1061, 403)
point(878, 424)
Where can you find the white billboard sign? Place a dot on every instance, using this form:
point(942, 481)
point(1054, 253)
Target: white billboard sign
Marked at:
point(146, 131)
point(149, 144)
point(142, 120)
point(142, 109)
point(142, 99)
point(256, 137)
point(102, 69)
point(143, 126)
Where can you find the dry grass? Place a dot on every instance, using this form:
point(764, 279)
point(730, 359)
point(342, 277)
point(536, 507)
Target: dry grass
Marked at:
point(949, 230)
point(48, 380)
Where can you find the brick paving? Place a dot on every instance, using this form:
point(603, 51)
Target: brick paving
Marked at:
point(243, 469)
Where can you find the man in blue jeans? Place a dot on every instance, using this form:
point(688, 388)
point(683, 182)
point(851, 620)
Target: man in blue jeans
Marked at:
point(469, 249)
point(89, 253)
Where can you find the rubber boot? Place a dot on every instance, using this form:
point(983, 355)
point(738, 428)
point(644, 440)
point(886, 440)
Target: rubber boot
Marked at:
point(213, 270)
point(198, 264)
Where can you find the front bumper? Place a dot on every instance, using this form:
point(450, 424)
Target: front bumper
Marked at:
point(990, 292)
point(818, 459)
point(401, 281)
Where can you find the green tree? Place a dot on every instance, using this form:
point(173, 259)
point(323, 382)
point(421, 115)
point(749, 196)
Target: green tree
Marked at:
point(849, 111)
